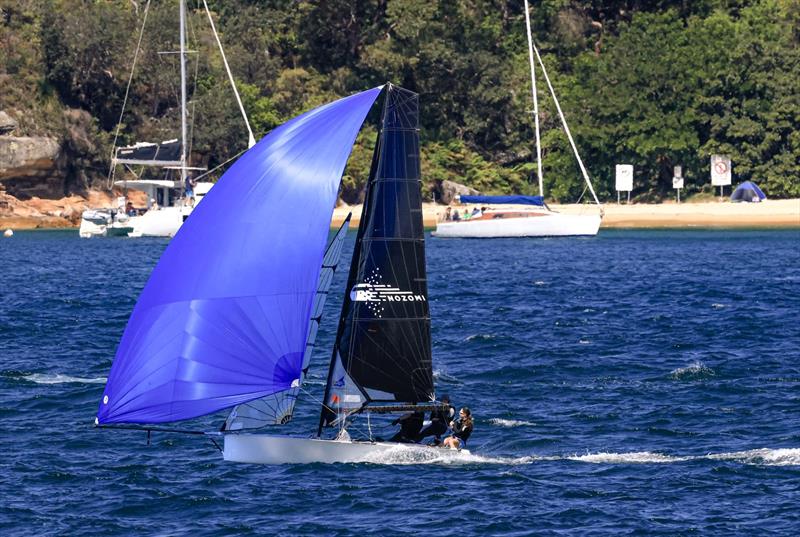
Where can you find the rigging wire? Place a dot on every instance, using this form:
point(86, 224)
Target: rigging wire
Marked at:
point(566, 127)
point(251, 141)
point(215, 168)
point(190, 141)
point(127, 91)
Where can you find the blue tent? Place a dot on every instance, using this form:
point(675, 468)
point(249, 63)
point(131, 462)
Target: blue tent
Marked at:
point(748, 191)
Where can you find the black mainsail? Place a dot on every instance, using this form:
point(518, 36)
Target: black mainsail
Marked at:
point(382, 351)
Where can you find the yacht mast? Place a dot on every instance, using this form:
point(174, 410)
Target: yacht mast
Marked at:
point(183, 94)
point(535, 101)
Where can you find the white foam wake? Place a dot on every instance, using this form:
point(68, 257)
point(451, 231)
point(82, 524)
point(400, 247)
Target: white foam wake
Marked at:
point(759, 457)
point(636, 457)
point(58, 378)
point(511, 423)
point(695, 370)
point(410, 455)
point(762, 457)
point(480, 337)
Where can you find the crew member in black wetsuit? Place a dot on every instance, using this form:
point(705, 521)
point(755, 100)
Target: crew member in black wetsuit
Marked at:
point(439, 420)
point(462, 428)
point(410, 424)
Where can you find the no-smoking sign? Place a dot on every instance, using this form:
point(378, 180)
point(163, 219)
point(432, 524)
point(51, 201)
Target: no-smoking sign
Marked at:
point(720, 170)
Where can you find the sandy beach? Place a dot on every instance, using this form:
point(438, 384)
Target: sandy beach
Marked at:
point(65, 213)
point(769, 213)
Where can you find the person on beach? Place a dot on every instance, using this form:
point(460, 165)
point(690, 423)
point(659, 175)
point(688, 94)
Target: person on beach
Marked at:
point(439, 420)
point(462, 429)
point(410, 425)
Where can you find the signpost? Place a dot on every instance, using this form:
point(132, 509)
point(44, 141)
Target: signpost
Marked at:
point(677, 180)
point(624, 176)
point(720, 171)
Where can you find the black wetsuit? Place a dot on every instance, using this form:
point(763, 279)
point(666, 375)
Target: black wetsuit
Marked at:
point(439, 423)
point(461, 432)
point(410, 424)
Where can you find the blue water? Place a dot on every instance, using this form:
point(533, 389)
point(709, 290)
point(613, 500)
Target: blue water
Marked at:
point(639, 382)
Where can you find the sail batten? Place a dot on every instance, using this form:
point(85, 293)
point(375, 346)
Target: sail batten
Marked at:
point(277, 408)
point(237, 282)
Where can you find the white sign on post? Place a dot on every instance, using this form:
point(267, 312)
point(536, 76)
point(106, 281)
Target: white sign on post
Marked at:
point(720, 170)
point(677, 182)
point(624, 177)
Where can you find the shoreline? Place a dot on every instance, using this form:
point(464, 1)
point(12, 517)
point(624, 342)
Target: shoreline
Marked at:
point(670, 215)
point(767, 214)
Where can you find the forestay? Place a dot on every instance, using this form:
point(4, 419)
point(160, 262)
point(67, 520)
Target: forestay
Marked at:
point(224, 316)
point(383, 348)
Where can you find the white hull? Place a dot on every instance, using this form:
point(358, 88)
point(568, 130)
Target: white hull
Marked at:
point(544, 224)
point(269, 449)
point(154, 223)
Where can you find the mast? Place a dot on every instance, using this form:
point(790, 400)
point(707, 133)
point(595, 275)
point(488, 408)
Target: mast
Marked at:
point(382, 352)
point(183, 93)
point(535, 101)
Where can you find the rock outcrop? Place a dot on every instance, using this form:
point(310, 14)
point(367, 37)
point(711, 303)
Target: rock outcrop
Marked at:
point(49, 167)
point(448, 190)
point(28, 166)
point(7, 123)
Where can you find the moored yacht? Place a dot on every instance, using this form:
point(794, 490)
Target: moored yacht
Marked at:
point(535, 219)
point(164, 211)
point(524, 216)
point(169, 200)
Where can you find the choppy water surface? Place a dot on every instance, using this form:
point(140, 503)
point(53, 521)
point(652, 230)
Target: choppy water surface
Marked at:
point(639, 382)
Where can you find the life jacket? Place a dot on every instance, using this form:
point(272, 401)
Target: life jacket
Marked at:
point(444, 415)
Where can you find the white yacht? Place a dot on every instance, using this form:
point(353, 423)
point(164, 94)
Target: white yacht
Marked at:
point(169, 201)
point(166, 209)
point(535, 219)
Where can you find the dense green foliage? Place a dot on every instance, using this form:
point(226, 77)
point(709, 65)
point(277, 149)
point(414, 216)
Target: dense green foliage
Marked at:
point(653, 84)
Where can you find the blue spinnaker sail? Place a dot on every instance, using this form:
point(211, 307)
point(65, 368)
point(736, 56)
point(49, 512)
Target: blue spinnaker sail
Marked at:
point(224, 317)
point(511, 200)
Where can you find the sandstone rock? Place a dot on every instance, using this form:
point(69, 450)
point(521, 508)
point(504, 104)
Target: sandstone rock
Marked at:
point(449, 189)
point(28, 166)
point(7, 123)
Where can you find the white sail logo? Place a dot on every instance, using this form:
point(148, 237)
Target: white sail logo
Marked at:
point(375, 294)
point(368, 292)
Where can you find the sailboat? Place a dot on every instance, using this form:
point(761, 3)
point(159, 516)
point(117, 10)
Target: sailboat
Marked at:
point(166, 206)
point(534, 218)
point(229, 317)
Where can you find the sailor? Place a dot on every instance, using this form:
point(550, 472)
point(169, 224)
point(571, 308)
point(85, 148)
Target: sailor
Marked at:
point(410, 424)
point(439, 420)
point(462, 429)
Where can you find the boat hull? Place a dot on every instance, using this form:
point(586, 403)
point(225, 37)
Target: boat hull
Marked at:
point(154, 223)
point(545, 224)
point(270, 449)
